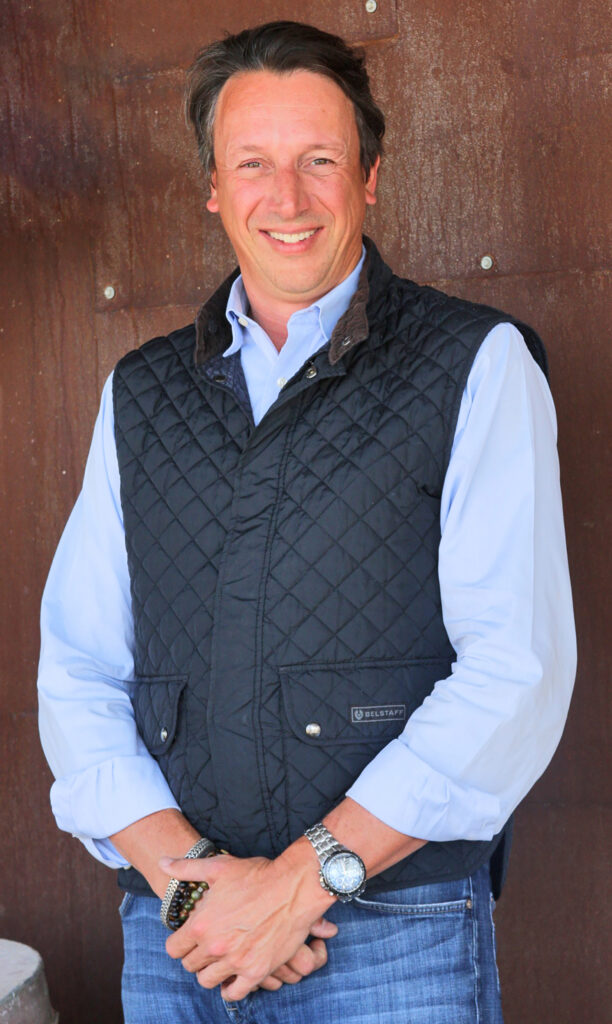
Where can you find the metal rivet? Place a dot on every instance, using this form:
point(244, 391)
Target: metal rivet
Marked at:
point(109, 292)
point(219, 378)
point(313, 729)
point(486, 262)
point(345, 342)
point(163, 735)
point(468, 904)
point(371, 6)
point(311, 372)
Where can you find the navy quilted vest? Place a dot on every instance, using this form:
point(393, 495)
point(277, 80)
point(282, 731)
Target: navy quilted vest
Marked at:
point(284, 577)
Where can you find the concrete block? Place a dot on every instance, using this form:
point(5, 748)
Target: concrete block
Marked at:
point(24, 997)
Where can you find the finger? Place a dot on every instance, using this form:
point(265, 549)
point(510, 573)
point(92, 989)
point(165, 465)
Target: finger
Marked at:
point(324, 929)
point(319, 952)
point(186, 939)
point(178, 952)
point(235, 989)
point(287, 975)
point(180, 943)
point(189, 870)
point(195, 961)
point(271, 984)
point(214, 974)
point(308, 959)
point(191, 945)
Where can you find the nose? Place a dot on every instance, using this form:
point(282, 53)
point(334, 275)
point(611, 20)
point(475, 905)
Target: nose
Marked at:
point(289, 195)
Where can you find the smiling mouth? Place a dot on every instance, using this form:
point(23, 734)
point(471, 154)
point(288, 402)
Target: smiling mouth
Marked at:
point(291, 239)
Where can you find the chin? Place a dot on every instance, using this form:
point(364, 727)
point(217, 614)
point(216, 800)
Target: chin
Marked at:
point(302, 285)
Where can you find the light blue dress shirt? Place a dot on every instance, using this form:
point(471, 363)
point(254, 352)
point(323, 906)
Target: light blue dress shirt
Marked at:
point(477, 744)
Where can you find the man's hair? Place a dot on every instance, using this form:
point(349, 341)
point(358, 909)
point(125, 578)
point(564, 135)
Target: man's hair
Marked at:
point(282, 47)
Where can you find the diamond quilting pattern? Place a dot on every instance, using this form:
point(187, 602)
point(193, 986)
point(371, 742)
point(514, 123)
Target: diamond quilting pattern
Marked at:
point(353, 566)
point(172, 446)
point(257, 555)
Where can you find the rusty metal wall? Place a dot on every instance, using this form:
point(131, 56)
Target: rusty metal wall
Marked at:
point(499, 145)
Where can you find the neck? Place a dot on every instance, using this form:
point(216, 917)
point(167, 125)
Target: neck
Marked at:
point(272, 312)
point(274, 322)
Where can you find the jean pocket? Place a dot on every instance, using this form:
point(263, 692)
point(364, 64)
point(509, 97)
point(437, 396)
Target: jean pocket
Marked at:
point(439, 898)
point(126, 903)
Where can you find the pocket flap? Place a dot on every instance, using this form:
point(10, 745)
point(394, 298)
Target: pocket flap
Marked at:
point(155, 700)
point(356, 702)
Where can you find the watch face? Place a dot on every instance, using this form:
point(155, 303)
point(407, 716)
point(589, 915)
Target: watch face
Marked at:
point(344, 871)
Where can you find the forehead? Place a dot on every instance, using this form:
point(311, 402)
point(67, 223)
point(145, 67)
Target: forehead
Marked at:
point(263, 100)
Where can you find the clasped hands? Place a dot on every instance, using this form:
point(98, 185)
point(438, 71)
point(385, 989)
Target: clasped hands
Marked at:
point(250, 929)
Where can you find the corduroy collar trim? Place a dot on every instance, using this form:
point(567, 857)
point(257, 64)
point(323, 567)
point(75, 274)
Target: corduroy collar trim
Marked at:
point(213, 333)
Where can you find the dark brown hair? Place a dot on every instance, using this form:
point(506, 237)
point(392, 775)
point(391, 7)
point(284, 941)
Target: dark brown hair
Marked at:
point(282, 47)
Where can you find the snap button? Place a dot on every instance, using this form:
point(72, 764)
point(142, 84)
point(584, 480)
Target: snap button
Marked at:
point(219, 378)
point(163, 735)
point(313, 729)
point(311, 372)
point(345, 342)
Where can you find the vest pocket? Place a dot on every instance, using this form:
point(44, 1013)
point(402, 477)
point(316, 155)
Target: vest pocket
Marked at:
point(337, 717)
point(155, 700)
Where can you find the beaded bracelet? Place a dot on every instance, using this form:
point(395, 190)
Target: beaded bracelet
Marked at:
point(183, 902)
point(180, 898)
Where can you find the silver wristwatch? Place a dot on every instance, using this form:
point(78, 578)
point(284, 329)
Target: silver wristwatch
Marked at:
point(342, 872)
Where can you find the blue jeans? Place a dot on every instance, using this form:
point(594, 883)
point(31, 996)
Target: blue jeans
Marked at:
point(413, 956)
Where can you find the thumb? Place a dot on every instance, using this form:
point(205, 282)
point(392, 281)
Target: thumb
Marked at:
point(197, 869)
point(323, 929)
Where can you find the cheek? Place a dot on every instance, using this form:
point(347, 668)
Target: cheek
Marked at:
point(246, 201)
point(345, 199)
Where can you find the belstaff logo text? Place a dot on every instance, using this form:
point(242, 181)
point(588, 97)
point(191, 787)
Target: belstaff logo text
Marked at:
point(378, 713)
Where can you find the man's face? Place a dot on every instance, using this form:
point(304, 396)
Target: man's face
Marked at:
point(289, 185)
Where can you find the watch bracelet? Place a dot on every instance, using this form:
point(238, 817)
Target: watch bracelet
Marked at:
point(322, 840)
point(203, 848)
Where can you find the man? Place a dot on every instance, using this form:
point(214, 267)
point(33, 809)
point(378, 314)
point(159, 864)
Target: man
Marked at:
point(319, 551)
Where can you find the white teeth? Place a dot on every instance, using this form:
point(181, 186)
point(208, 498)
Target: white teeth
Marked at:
point(298, 237)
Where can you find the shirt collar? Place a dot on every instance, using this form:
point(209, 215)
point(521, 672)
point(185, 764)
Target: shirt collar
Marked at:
point(328, 309)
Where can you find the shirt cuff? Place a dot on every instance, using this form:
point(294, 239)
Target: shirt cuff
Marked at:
point(95, 803)
point(104, 851)
point(407, 794)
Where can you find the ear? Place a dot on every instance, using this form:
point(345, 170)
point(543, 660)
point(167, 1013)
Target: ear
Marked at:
point(212, 204)
point(370, 185)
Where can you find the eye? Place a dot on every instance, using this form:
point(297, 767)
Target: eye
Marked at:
point(250, 163)
point(320, 165)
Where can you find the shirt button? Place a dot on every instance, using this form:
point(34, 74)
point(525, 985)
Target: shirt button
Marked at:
point(243, 322)
point(281, 382)
point(313, 729)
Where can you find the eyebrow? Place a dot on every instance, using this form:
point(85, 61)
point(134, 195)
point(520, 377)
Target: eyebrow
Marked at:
point(253, 147)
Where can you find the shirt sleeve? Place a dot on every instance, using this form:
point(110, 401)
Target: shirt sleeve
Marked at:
point(105, 777)
point(477, 744)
